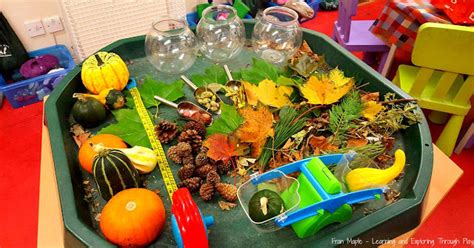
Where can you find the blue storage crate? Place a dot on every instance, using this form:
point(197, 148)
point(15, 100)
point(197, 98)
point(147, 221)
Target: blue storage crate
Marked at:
point(32, 90)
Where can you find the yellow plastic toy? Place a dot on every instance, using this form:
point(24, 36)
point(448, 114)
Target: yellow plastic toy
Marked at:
point(365, 178)
point(443, 78)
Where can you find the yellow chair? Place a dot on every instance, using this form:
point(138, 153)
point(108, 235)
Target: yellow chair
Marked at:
point(443, 78)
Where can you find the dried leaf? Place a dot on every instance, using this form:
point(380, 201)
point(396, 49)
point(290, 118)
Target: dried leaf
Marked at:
point(79, 134)
point(226, 206)
point(257, 125)
point(327, 89)
point(371, 109)
point(356, 142)
point(223, 147)
point(370, 96)
point(244, 162)
point(320, 144)
point(268, 93)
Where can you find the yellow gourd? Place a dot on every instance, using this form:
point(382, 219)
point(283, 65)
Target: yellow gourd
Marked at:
point(143, 159)
point(364, 178)
point(103, 71)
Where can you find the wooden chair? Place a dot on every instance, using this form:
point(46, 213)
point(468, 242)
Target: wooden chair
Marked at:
point(443, 78)
point(355, 35)
point(467, 141)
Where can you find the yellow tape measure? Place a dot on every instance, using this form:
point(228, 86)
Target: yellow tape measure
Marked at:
point(166, 173)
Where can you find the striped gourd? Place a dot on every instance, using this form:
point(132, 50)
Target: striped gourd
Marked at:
point(114, 172)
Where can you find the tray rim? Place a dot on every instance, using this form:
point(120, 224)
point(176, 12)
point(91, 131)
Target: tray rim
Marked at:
point(365, 224)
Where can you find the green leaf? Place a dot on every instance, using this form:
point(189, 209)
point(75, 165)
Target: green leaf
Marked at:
point(212, 74)
point(285, 81)
point(259, 71)
point(129, 127)
point(228, 121)
point(151, 87)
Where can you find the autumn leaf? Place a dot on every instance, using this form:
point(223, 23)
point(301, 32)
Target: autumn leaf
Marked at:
point(371, 109)
point(223, 147)
point(327, 88)
point(353, 142)
point(257, 124)
point(268, 93)
point(321, 144)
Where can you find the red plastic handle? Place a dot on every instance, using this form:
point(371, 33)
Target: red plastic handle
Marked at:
point(189, 220)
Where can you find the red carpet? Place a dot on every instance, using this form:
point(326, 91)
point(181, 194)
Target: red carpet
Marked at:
point(20, 133)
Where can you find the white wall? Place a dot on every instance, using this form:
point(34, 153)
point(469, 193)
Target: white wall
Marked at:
point(19, 11)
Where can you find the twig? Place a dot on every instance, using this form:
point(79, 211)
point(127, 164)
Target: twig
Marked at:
point(305, 113)
point(399, 100)
point(361, 86)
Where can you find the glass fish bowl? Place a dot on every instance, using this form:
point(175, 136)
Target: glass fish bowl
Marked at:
point(277, 35)
point(221, 33)
point(170, 45)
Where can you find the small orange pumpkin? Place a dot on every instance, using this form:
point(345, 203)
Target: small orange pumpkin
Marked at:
point(86, 151)
point(133, 218)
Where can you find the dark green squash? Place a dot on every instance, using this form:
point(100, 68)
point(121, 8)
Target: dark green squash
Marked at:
point(115, 99)
point(88, 112)
point(264, 205)
point(114, 172)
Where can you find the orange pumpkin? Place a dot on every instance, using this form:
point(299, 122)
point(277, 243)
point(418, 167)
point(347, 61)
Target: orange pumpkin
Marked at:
point(133, 218)
point(86, 151)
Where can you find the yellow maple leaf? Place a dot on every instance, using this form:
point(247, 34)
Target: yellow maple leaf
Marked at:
point(268, 93)
point(371, 109)
point(250, 95)
point(326, 89)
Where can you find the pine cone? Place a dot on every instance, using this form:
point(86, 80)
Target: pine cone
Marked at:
point(224, 167)
point(180, 153)
point(186, 172)
point(192, 137)
point(206, 191)
point(203, 170)
point(193, 125)
point(192, 184)
point(213, 177)
point(166, 131)
point(188, 160)
point(227, 191)
point(201, 159)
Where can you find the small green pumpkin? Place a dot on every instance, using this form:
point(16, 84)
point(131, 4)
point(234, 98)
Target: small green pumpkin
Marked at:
point(113, 172)
point(88, 112)
point(115, 99)
point(265, 204)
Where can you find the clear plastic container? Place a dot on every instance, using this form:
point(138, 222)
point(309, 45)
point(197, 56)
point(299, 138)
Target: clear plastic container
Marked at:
point(170, 45)
point(274, 180)
point(277, 35)
point(221, 33)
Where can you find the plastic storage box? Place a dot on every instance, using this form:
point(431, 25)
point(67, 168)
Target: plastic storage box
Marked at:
point(32, 90)
point(232, 228)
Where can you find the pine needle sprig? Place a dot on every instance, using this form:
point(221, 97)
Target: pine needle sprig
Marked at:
point(290, 123)
point(341, 115)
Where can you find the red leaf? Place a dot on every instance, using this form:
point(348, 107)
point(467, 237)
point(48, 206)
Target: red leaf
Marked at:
point(223, 147)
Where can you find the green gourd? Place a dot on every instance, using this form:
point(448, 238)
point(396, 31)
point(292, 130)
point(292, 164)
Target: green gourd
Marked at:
point(88, 112)
point(265, 204)
point(115, 99)
point(113, 172)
